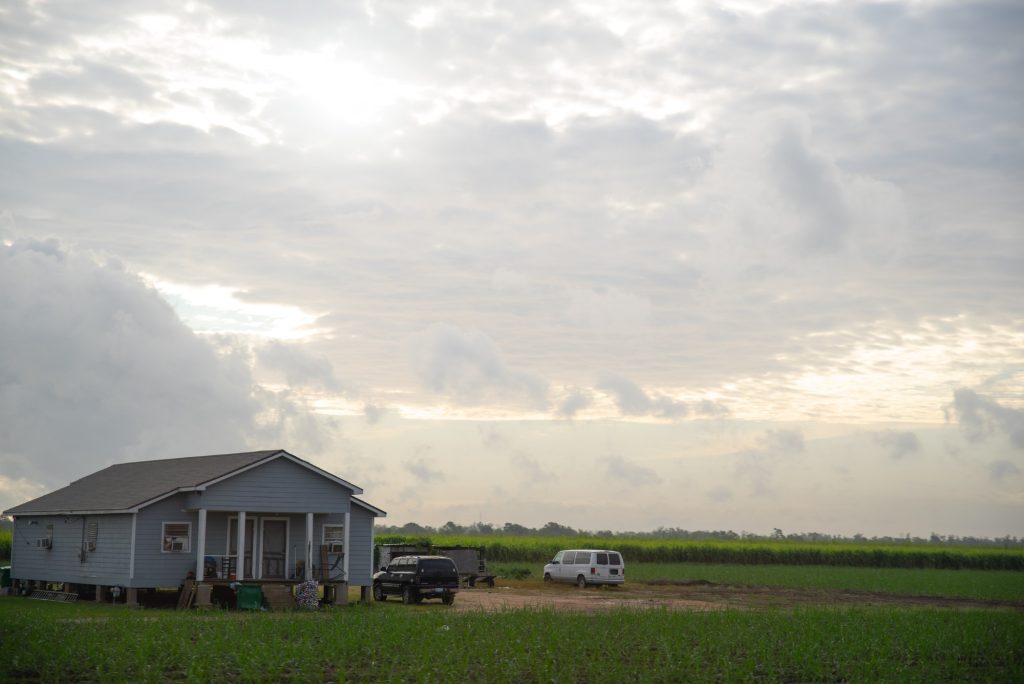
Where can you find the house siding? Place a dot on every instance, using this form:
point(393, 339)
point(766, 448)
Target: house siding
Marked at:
point(63, 562)
point(360, 562)
point(154, 567)
point(294, 489)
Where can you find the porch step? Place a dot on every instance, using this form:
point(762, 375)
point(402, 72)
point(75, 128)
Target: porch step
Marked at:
point(278, 596)
point(65, 596)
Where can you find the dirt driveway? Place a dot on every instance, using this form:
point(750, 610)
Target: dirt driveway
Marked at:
point(701, 596)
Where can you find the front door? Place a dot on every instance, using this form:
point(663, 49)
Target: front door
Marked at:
point(274, 548)
point(250, 536)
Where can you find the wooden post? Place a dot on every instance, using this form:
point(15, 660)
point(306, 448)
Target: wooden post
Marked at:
point(308, 572)
point(132, 597)
point(240, 548)
point(101, 593)
point(364, 594)
point(201, 546)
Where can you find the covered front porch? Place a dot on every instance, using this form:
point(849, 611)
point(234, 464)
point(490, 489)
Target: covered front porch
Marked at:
point(279, 548)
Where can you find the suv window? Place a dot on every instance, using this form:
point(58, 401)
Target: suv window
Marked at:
point(436, 565)
point(602, 559)
point(613, 559)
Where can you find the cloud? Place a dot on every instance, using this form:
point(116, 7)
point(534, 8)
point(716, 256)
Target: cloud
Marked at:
point(530, 469)
point(608, 309)
point(297, 366)
point(981, 416)
point(574, 402)
point(898, 444)
point(95, 368)
point(422, 470)
point(620, 469)
point(1002, 469)
point(707, 407)
point(468, 366)
point(373, 413)
point(782, 441)
point(632, 400)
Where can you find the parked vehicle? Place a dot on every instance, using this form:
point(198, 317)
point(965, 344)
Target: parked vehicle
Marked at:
point(586, 566)
point(415, 578)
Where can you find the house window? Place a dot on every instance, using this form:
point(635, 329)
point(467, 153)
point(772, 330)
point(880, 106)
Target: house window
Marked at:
point(334, 538)
point(177, 537)
point(92, 533)
point(47, 541)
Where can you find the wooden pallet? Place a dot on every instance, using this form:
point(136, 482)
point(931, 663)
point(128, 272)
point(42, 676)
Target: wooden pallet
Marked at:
point(278, 597)
point(64, 596)
point(188, 595)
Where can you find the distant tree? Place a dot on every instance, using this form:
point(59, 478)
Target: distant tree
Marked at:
point(451, 528)
point(481, 528)
point(412, 528)
point(516, 529)
point(553, 529)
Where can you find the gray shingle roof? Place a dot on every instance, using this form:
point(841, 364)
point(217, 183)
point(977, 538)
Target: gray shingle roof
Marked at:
point(126, 485)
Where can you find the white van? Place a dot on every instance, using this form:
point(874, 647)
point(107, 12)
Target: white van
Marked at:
point(586, 566)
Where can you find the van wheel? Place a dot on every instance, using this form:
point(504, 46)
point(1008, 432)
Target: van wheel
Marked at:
point(547, 576)
point(581, 582)
point(408, 595)
point(378, 593)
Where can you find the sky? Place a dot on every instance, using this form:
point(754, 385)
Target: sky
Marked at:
point(618, 265)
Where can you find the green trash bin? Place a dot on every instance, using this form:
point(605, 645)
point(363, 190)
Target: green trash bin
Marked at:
point(250, 597)
point(5, 576)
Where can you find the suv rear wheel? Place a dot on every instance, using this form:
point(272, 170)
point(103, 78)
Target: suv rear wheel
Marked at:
point(448, 599)
point(408, 595)
point(581, 582)
point(378, 593)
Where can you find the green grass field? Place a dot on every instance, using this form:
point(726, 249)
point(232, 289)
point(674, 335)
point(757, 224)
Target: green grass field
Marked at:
point(999, 585)
point(430, 643)
point(541, 549)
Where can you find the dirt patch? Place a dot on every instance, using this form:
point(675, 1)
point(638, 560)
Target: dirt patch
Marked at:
point(702, 596)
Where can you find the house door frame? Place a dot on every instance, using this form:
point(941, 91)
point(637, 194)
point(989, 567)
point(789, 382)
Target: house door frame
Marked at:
point(287, 541)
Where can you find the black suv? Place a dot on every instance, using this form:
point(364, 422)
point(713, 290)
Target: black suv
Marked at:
point(415, 578)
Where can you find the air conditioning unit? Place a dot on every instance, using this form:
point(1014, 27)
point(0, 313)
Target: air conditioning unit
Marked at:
point(335, 547)
point(44, 543)
point(88, 546)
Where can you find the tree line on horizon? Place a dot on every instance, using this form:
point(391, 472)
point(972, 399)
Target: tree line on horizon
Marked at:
point(554, 529)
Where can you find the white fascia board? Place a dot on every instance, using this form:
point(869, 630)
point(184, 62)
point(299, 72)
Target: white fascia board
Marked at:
point(373, 509)
point(290, 457)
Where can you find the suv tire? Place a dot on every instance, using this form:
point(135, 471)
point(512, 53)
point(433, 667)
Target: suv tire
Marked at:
point(378, 593)
point(408, 595)
point(448, 599)
point(581, 582)
point(547, 576)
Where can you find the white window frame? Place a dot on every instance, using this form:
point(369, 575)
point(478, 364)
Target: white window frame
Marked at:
point(163, 536)
point(330, 545)
point(92, 534)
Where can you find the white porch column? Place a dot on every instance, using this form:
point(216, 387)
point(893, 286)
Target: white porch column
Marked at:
point(309, 547)
point(201, 545)
point(346, 554)
point(240, 548)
